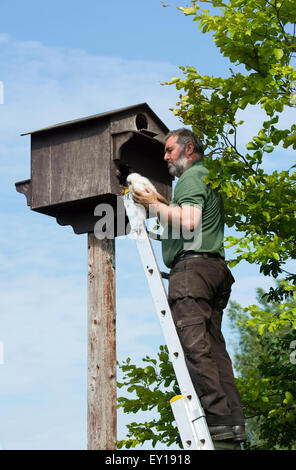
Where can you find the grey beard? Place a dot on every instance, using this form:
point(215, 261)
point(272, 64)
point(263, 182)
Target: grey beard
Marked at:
point(179, 166)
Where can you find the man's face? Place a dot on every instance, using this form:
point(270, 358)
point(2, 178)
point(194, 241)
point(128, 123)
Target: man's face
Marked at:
point(176, 158)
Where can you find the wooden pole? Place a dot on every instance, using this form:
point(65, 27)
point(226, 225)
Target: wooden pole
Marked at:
point(101, 345)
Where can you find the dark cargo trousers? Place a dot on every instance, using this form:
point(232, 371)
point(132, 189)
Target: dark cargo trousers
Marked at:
point(199, 289)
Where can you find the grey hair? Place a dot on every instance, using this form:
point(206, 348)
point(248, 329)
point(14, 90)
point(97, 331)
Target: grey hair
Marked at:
point(186, 136)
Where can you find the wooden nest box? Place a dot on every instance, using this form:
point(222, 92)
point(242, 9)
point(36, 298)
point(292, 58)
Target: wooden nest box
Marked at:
point(78, 164)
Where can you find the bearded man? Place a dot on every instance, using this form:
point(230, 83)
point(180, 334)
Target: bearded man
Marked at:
point(200, 281)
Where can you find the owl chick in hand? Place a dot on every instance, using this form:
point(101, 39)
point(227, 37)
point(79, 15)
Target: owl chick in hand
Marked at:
point(138, 182)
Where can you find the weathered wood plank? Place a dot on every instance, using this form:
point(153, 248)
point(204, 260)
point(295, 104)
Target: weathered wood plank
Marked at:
point(70, 164)
point(101, 345)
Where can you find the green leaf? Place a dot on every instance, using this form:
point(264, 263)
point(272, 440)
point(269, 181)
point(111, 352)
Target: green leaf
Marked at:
point(174, 80)
point(187, 11)
point(262, 135)
point(278, 53)
point(261, 329)
point(251, 146)
point(289, 398)
point(268, 148)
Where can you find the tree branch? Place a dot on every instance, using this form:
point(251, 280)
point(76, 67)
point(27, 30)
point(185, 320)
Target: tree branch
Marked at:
point(227, 141)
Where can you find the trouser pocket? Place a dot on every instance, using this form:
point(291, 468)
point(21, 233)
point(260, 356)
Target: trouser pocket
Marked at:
point(193, 337)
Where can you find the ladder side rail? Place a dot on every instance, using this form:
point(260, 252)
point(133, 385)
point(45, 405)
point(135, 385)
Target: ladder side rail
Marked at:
point(175, 349)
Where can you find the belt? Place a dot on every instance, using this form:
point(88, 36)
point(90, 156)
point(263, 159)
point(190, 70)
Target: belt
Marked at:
point(187, 255)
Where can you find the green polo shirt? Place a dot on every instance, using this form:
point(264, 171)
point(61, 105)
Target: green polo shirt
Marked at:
point(191, 190)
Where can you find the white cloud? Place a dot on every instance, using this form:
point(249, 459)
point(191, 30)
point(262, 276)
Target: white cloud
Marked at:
point(46, 85)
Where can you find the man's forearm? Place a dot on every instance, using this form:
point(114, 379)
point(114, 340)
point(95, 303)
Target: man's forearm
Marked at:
point(186, 216)
point(168, 214)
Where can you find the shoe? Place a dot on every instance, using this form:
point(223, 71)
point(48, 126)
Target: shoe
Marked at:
point(222, 432)
point(239, 433)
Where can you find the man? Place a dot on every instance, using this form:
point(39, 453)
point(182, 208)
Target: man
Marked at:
point(200, 281)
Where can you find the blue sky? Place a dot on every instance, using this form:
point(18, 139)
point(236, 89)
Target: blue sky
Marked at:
point(61, 61)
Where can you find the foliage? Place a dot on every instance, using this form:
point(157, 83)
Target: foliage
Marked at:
point(284, 315)
point(267, 372)
point(267, 378)
point(154, 386)
point(258, 37)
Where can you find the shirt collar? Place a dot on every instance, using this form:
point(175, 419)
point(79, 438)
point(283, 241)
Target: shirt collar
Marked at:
point(199, 161)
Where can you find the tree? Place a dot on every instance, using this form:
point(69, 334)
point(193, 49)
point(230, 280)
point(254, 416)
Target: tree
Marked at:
point(267, 373)
point(258, 35)
point(254, 35)
point(258, 38)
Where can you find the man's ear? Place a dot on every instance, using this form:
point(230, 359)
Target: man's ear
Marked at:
point(189, 149)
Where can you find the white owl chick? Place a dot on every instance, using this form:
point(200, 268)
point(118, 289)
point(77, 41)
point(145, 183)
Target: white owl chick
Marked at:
point(136, 181)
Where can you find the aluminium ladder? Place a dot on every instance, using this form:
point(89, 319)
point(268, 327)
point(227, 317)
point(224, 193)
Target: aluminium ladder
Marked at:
point(187, 409)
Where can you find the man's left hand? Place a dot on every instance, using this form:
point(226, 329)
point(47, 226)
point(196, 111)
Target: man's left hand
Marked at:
point(145, 199)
